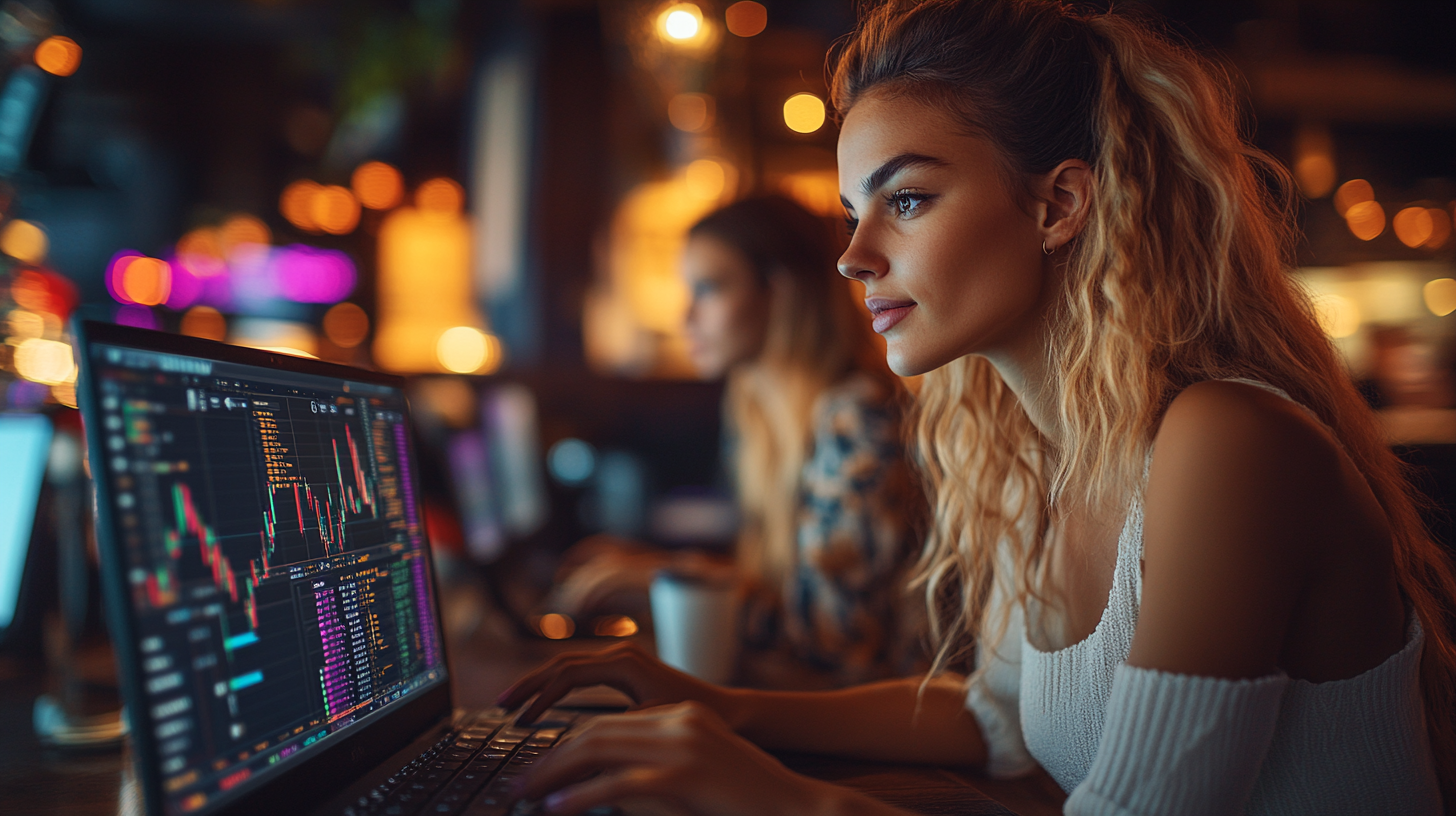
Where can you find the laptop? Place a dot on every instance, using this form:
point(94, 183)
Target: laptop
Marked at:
point(270, 591)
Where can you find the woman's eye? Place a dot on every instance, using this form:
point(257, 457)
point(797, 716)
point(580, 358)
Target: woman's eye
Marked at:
point(850, 224)
point(905, 203)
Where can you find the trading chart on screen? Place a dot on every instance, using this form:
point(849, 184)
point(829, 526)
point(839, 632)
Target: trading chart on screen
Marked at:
point(277, 564)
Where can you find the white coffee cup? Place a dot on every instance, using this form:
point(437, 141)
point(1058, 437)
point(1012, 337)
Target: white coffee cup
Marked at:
point(695, 620)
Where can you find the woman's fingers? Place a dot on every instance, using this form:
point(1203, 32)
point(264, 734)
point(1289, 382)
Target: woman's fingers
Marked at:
point(604, 751)
point(522, 690)
point(607, 789)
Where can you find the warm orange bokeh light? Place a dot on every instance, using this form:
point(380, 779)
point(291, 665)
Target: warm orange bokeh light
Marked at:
point(746, 18)
point(242, 229)
point(1366, 220)
point(346, 325)
point(804, 113)
point(147, 281)
point(203, 242)
point(205, 322)
point(1413, 226)
point(440, 195)
point(335, 210)
point(690, 112)
point(378, 185)
point(680, 23)
point(24, 241)
point(58, 55)
point(1440, 228)
point(1352, 192)
point(29, 291)
point(556, 626)
point(296, 204)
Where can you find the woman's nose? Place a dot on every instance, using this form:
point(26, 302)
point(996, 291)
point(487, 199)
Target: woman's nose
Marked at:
point(860, 263)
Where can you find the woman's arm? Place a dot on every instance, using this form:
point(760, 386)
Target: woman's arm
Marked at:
point(887, 721)
point(891, 720)
point(1247, 497)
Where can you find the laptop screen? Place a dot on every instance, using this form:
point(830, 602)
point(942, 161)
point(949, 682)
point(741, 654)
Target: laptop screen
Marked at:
point(274, 556)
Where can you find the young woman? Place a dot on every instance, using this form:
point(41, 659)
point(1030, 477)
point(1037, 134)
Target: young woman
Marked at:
point(1197, 576)
point(813, 420)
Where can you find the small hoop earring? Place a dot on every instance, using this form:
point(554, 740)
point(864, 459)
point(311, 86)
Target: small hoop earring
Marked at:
point(1044, 249)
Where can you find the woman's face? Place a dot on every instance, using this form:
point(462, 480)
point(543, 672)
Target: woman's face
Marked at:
point(951, 264)
point(728, 314)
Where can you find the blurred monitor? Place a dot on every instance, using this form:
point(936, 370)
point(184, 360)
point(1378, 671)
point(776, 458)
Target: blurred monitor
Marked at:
point(26, 441)
point(496, 469)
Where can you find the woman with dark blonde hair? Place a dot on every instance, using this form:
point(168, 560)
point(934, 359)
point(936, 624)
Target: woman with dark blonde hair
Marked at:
point(813, 419)
point(1194, 575)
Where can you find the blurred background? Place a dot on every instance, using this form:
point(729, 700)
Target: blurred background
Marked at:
point(490, 197)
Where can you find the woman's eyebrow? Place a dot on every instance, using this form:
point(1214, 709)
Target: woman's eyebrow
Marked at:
point(882, 174)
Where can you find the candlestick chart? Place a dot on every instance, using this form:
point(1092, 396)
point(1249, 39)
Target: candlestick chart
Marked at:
point(277, 564)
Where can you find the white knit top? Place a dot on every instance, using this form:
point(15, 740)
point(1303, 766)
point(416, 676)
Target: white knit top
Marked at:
point(1125, 740)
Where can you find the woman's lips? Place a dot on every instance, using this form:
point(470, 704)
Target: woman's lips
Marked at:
point(888, 312)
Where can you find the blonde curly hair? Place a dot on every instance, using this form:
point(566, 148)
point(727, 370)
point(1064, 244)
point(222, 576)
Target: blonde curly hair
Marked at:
point(1180, 275)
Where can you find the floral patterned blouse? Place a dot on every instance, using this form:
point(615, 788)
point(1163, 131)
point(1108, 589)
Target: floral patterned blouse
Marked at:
point(841, 610)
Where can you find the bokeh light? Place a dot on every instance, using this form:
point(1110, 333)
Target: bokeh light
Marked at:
point(1352, 192)
point(137, 316)
point(1440, 296)
point(346, 325)
point(690, 112)
point(706, 179)
point(680, 22)
point(335, 210)
point(572, 461)
point(304, 274)
point(205, 322)
point(58, 55)
point(467, 350)
point(804, 113)
point(616, 625)
point(296, 204)
point(146, 281)
point(440, 195)
point(378, 185)
point(1366, 220)
point(747, 18)
point(25, 324)
point(240, 230)
point(1338, 315)
point(1413, 226)
point(116, 272)
point(24, 241)
point(201, 244)
point(556, 626)
point(48, 362)
point(1440, 228)
point(44, 291)
point(1314, 160)
point(65, 394)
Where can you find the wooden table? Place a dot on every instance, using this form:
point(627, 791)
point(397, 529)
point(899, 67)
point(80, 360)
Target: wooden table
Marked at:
point(34, 780)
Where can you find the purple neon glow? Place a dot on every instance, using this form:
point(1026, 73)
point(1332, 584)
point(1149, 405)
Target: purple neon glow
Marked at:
point(114, 269)
point(140, 317)
point(253, 276)
point(186, 285)
point(308, 275)
point(26, 394)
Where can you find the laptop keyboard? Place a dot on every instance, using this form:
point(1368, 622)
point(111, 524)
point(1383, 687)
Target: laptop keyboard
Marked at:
point(469, 771)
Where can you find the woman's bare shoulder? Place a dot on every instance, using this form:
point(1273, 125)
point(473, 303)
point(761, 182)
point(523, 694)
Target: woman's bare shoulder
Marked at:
point(1243, 486)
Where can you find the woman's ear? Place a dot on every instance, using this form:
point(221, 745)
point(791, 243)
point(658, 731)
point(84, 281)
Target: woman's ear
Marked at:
point(1064, 200)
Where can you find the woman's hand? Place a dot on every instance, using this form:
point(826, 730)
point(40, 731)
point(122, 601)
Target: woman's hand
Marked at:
point(677, 759)
point(625, 667)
